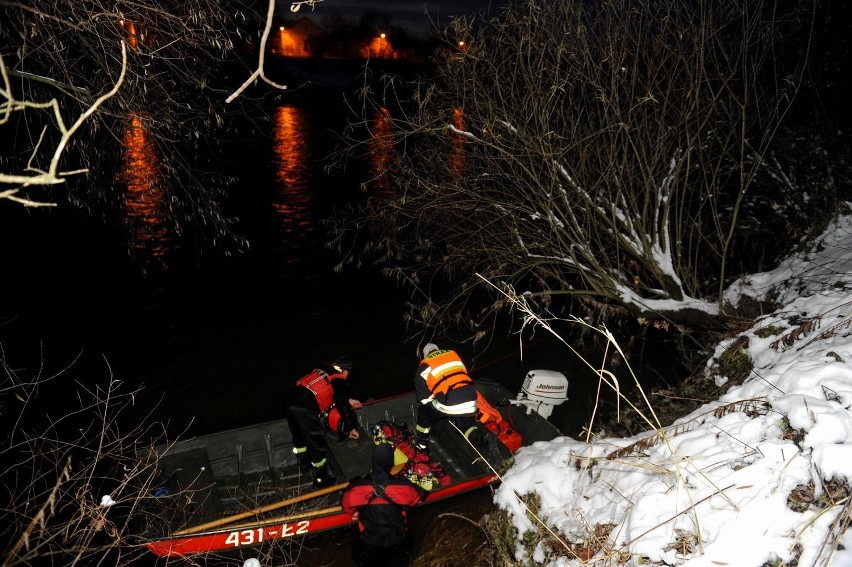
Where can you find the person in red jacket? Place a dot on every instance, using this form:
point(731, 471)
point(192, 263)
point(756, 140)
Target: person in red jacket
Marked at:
point(380, 502)
point(316, 394)
point(444, 391)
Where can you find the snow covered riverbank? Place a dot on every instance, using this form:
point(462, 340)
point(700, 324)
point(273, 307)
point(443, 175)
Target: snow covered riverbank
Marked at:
point(760, 476)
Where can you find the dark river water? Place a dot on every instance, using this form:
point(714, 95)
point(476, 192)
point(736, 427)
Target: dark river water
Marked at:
point(217, 343)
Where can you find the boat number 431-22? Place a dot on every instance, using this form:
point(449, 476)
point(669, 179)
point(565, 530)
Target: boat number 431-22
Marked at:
point(257, 535)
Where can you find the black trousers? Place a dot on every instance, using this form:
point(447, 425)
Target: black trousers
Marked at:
point(307, 431)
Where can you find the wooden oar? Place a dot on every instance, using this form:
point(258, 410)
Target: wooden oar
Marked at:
point(262, 509)
point(298, 516)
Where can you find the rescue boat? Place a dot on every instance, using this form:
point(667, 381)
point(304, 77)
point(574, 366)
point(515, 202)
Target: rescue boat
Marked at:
point(243, 488)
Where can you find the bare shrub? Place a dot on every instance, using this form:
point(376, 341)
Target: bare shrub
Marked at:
point(71, 482)
point(601, 154)
point(77, 75)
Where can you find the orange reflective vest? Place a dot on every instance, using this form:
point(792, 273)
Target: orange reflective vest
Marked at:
point(319, 383)
point(446, 372)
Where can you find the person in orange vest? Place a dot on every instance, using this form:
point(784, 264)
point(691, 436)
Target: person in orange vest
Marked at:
point(317, 393)
point(444, 391)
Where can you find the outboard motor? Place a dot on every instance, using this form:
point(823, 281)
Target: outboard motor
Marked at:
point(542, 391)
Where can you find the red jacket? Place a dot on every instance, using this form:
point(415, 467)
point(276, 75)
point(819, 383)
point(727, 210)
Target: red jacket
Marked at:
point(382, 517)
point(381, 501)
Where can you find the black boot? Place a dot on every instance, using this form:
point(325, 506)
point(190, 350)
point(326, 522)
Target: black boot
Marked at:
point(323, 477)
point(486, 443)
point(421, 444)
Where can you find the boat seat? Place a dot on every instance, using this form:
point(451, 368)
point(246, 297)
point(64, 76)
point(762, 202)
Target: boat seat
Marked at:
point(187, 479)
point(451, 448)
point(353, 458)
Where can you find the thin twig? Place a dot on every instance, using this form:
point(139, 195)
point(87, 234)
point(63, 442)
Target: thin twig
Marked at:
point(516, 495)
point(460, 517)
point(681, 513)
point(40, 518)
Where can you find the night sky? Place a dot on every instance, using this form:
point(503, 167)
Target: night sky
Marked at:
point(411, 14)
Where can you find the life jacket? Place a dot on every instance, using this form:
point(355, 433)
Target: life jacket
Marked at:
point(446, 372)
point(319, 383)
point(407, 461)
point(333, 420)
point(493, 420)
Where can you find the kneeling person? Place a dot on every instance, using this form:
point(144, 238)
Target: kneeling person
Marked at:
point(444, 391)
point(380, 502)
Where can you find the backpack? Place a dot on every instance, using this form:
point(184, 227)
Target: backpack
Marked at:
point(398, 436)
point(415, 466)
point(383, 526)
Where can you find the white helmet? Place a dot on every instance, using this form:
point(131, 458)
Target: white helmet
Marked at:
point(429, 348)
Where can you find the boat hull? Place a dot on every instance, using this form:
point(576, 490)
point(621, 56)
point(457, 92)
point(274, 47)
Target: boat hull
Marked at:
point(242, 488)
point(308, 523)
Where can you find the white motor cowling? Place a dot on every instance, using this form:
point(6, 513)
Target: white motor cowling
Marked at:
point(542, 391)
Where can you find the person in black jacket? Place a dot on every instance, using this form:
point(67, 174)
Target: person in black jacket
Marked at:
point(325, 389)
point(379, 501)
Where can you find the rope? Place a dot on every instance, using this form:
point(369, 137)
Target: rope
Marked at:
point(511, 354)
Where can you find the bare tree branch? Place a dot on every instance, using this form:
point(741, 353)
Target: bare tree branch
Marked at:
point(77, 76)
point(52, 175)
point(261, 57)
point(72, 483)
point(604, 153)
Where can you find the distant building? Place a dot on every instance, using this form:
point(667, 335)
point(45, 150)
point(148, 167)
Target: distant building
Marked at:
point(304, 38)
point(379, 48)
point(300, 38)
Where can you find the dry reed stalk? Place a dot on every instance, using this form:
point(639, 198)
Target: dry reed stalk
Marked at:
point(40, 518)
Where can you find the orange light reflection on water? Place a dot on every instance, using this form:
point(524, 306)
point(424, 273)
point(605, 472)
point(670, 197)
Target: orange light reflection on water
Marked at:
point(293, 171)
point(145, 192)
point(381, 153)
point(133, 38)
point(457, 159)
